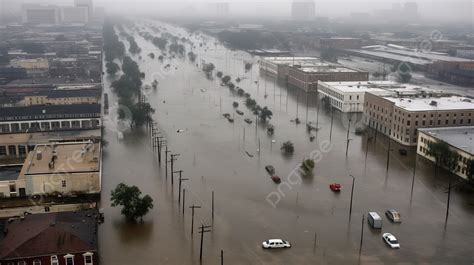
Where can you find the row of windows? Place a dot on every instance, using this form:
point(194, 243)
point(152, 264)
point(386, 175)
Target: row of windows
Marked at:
point(51, 116)
point(68, 259)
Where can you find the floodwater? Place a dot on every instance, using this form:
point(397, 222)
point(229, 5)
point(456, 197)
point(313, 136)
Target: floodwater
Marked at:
point(223, 157)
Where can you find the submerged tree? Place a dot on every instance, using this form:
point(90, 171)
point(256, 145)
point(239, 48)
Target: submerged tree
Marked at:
point(307, 166)
point(265, 114)
point(134, 206)
point(287, 147)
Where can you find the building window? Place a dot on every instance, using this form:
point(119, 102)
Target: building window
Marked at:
point(69, 259)
point(54, 260)
point(12, 150)
point(36, 262)
point(3, 150)
point(408, 123)
point(22, 262)
point(88, 258)
point(63, 183)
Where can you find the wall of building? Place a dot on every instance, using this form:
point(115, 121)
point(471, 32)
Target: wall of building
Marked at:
point(64, 183)
point(402, 125)
point(423, 141)
point(343, 101)
point(78, 259)
point(308, 81)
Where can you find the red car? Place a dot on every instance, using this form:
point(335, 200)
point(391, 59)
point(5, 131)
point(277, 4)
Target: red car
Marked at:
point(276, 179)
point(335, 187)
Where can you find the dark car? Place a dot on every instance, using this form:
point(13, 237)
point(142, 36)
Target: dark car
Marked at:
point(276, 179)
point(239, 112)
point(270, 169)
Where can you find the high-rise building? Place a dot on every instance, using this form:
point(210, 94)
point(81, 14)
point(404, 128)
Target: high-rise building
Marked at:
point(72, 14)
point(303, 9)
point(87, 4)
point(37, 14)
point(410, 10)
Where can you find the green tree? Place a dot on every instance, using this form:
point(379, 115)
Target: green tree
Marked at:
point(134, 206)
point(250, 102)
point(240, 92)
point(287, 147)
point(307, 166)
point(444, 156)
point(265, 114)
point(235, 104)
point(225, 79)
point(404, 72)
point(219, 74)
point(112, 68)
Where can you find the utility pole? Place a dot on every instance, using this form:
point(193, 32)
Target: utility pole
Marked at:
point(179, 184)
point(192, 216)
point(172, 166)
point(413, 179)
point(352, 195)
point(184, 198)
point(166, 161)
point(361, 235)
point(204, 229)
point(307, 107)
point(317, 115)
point(297, 105)
point(222, 257)
point(213, 205)
point(388, 152)
point(347, 137)
point(367, 147)
point(332, 119)
point(449, 198)
point(160, 142)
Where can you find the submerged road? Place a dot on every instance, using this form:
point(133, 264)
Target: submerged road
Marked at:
point(249, 207)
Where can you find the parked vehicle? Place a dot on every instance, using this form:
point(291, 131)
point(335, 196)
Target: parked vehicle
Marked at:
point(276, 179)
point(393, 215)
point(374, 219)
point(227, 115)
point(270, 169)
point(276, 243)
point(391, 240)
point(402, 152)
point(249, 121)
point(336, 187)
point(230, 119)
point(239, 112)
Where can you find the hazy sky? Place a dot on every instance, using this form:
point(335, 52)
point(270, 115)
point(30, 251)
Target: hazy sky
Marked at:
point(429, 9)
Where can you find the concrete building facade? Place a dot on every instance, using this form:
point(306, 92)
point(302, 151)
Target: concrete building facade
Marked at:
point(459, 139)
point(57, 168)
point(306, 78)
point(399, 115)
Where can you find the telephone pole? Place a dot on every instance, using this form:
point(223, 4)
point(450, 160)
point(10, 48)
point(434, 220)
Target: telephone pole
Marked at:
point(204, 229)
point(352, 194)
point(172, 167)
point(179, 184)
point(192, 216)
point(361, 235)
point(166, 160)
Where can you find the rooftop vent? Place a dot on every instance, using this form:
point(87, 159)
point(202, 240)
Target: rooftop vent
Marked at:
point(434, 103)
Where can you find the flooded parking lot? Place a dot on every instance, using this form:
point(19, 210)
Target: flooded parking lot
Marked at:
point(229, 159)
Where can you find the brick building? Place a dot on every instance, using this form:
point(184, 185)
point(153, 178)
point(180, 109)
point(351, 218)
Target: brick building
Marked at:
point(401, 115)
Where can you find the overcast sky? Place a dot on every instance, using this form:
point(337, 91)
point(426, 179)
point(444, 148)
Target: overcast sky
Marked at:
point(441, 10)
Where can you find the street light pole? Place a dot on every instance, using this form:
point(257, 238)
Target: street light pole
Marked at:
point(449, 199)
point(347, 137)
point(204, 229)
point(352, 194)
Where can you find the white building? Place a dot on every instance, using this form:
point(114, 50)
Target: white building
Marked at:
point(349, 96)
point(278, 66)
point(303, 9)
point(87, 4)
point(459, 139)
point(57, 168)
point(75, 15)
point(37, 14)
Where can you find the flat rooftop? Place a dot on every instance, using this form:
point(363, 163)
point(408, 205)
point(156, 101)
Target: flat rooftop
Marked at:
point(459, 137)
point(327, 69)
point(293, 60)
point(47, 137)
point(76, 157)
point(427, 104)
point(372, 86)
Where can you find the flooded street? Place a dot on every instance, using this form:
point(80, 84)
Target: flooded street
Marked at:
point(224, 158)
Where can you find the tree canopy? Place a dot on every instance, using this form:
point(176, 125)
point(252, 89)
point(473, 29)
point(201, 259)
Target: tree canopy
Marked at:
point(134, 206)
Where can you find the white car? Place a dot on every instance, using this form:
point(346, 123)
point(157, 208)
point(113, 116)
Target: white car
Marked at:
point(391, 240)
point(276, 243)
